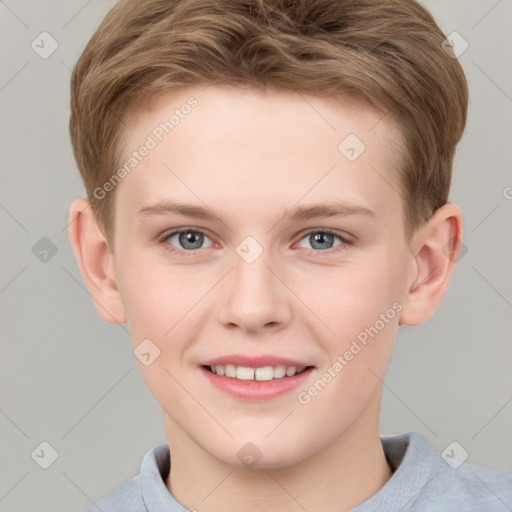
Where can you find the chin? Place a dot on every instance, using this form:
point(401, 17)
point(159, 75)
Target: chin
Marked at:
point(260, 453)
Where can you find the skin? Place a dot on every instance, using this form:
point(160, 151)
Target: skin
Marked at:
point(249, 155)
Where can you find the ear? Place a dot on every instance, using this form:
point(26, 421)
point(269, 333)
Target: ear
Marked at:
point(436, 247)
point(96, 262)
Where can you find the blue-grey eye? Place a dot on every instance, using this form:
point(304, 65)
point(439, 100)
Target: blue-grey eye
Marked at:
point(321, 240)
point(188, 239)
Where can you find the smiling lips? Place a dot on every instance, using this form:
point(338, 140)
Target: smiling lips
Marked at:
point(259, 368)
point(261, 373)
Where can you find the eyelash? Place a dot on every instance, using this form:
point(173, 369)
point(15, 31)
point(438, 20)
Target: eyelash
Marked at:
point(186, 254)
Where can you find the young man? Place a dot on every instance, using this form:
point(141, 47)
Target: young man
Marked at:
point(267, 201)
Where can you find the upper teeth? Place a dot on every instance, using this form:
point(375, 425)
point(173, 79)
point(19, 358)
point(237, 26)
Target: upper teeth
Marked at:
point(264, 373)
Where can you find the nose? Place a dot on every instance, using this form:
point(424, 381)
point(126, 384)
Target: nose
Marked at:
point(254, 297)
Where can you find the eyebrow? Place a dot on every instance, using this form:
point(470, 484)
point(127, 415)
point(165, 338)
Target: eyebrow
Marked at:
point(291, 214)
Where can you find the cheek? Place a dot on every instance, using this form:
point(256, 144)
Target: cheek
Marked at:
point(154, 295)
point(149, 313)
point(359, 308)
point(348, 298)
point(357, 358)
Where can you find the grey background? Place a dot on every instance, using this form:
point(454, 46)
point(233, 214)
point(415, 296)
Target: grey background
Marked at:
point(70, 379)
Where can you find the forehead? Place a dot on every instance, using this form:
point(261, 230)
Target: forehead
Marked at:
point(257, 149)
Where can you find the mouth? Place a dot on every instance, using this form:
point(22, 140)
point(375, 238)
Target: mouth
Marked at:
point(256, 379)
point(262, 373)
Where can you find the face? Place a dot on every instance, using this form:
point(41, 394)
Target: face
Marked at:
point(254, 233)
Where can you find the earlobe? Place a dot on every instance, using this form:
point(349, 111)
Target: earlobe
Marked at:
point(436, 250)
point(96, 262)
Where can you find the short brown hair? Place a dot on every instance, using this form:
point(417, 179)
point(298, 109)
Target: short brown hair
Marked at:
point(387, 53)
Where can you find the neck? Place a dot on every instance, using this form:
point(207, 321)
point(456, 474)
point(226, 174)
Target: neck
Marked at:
point(341, 476)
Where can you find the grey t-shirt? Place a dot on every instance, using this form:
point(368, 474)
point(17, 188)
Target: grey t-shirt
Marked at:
point(423, 481)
